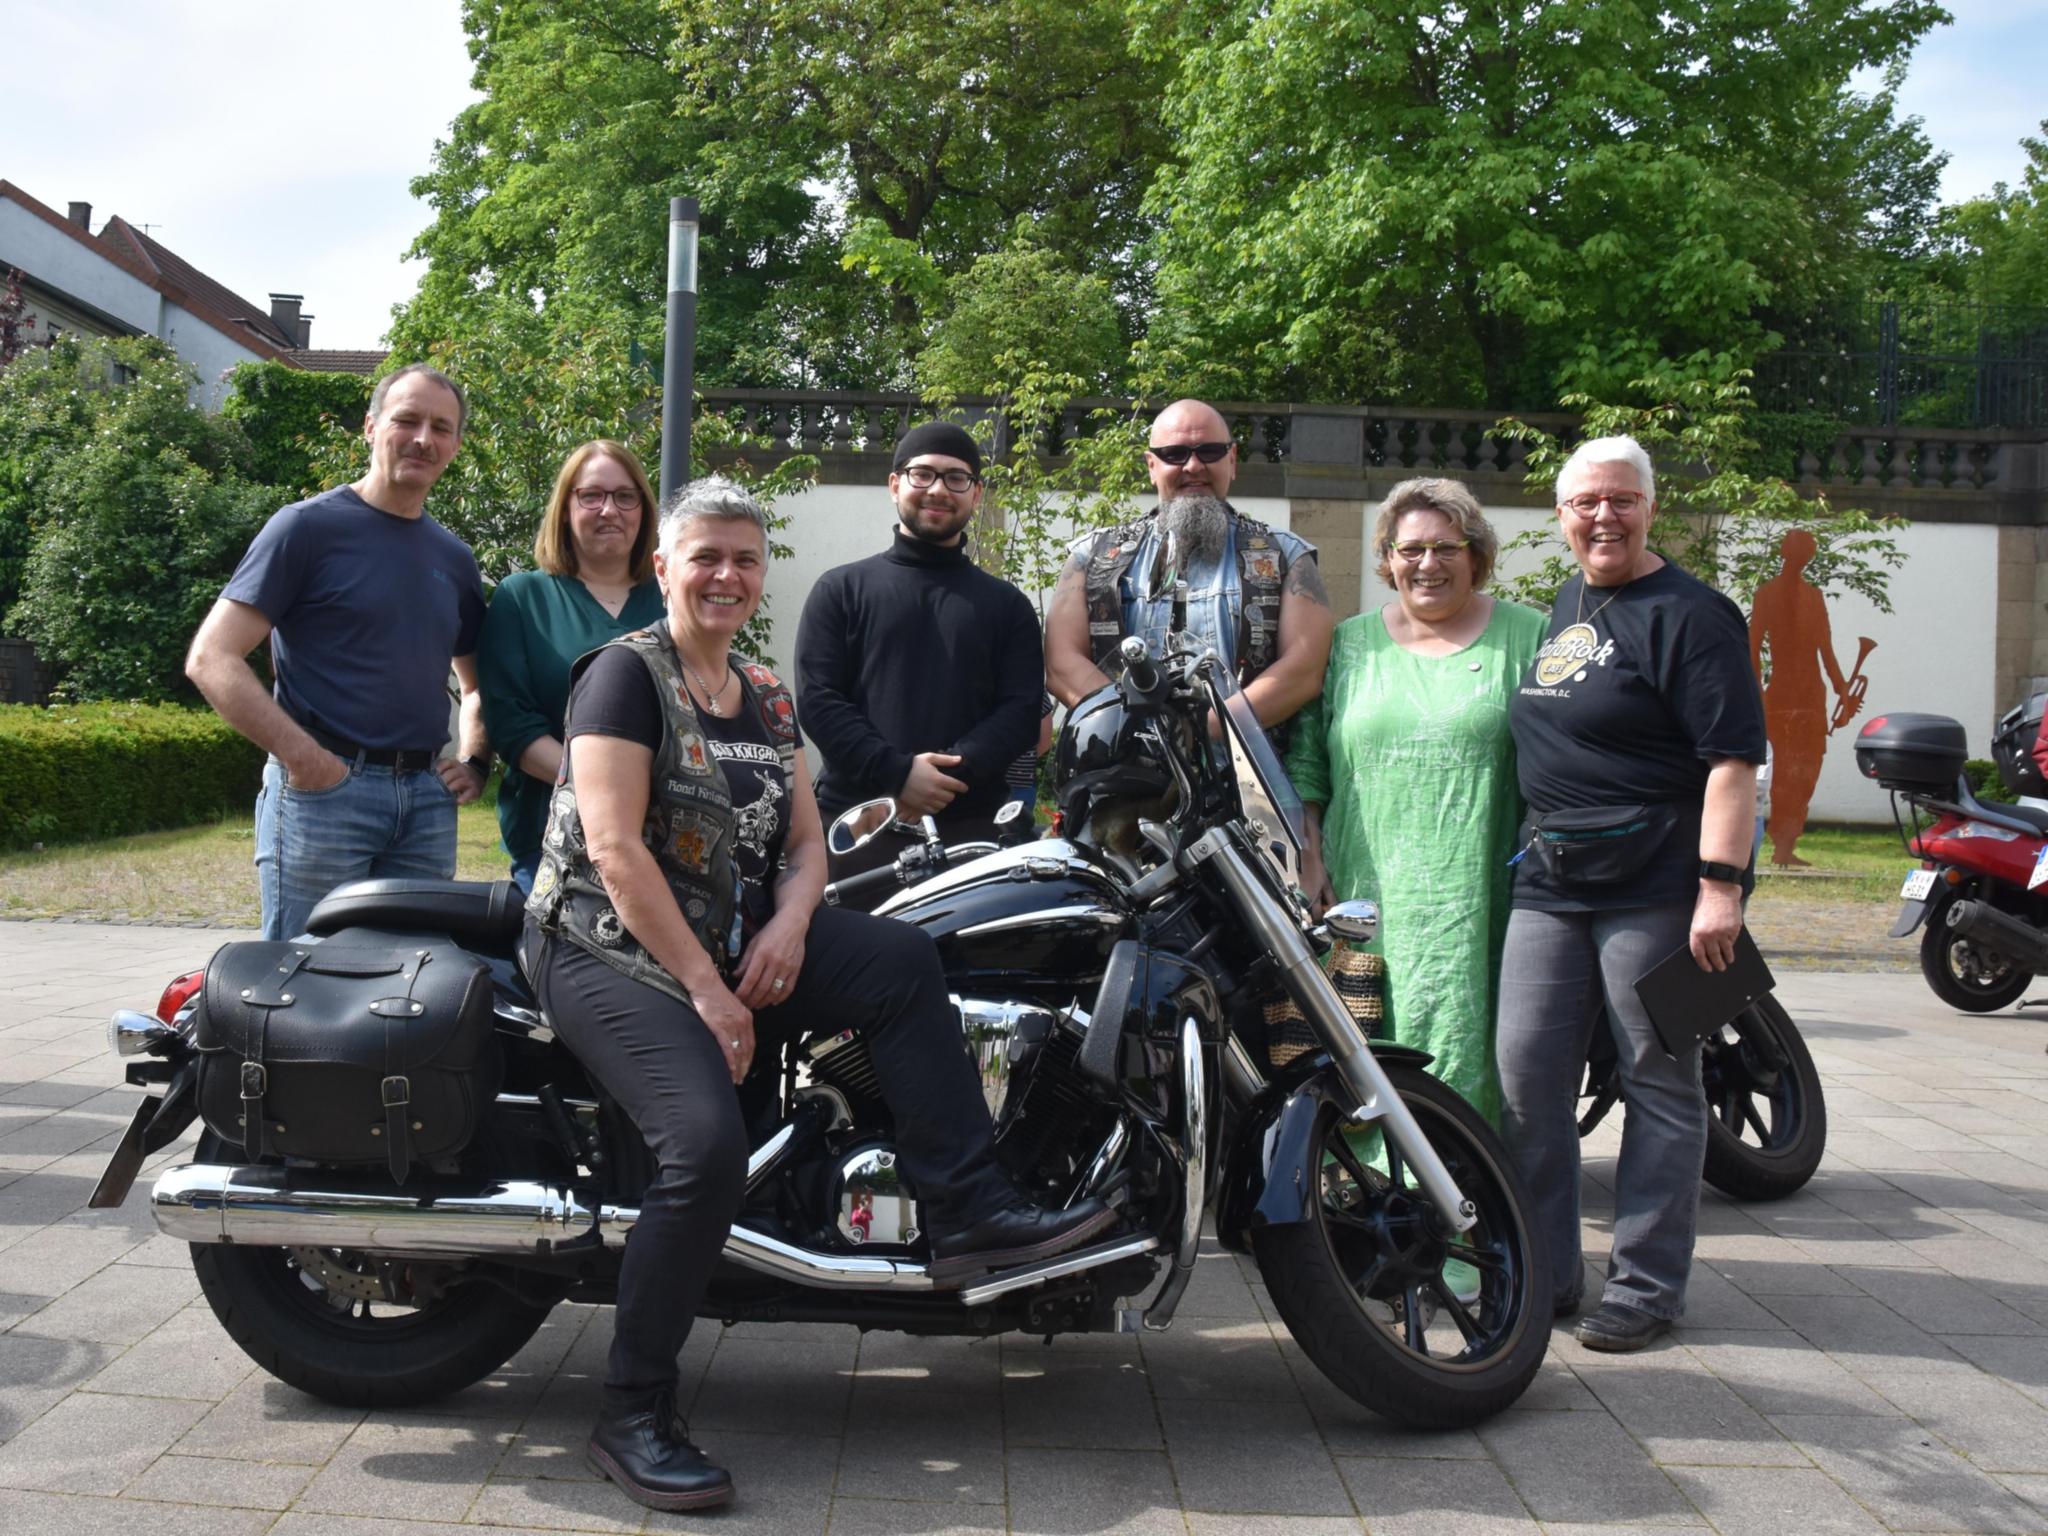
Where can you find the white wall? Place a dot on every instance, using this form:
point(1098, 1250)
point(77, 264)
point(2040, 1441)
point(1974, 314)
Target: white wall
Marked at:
point(53, 257)
point(207, 350)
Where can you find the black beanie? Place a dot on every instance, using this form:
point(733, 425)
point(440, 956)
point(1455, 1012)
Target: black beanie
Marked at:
point(938, 437)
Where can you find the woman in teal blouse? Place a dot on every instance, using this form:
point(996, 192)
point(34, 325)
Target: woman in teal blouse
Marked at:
point(595, 580)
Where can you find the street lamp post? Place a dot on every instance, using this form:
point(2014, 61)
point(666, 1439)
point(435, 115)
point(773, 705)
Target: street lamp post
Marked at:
point(678, 367)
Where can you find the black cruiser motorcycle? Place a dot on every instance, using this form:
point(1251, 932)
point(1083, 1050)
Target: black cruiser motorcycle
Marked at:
point(403, 1170)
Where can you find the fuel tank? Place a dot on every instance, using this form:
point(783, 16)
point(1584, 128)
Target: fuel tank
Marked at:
point(1040, 912)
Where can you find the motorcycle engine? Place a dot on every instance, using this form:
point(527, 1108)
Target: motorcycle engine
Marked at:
point(1024, 1055)
point(869, 1202)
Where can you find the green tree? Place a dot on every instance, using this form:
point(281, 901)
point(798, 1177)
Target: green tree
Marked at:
point(1999, 244)
point(285, 412)
point(1716, 516)
point(1494, 204)
point(795, 126)
point(1023, 302)
point(141, 504)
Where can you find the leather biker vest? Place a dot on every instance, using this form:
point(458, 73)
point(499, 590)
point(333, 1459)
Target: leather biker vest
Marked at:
point(689, 826)
point(1262, 565)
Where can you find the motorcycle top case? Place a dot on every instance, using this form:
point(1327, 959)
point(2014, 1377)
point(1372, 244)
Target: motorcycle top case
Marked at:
point(2012, 747)
point(1918, 754)
point(366, 1048)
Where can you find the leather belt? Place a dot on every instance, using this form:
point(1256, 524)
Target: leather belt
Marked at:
point(397, 759)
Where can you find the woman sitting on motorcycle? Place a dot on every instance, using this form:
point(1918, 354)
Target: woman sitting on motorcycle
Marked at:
point(1637, 735)
point(675, 922)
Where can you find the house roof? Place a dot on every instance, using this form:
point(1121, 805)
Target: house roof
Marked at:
point(177, 279)
point(336, 360)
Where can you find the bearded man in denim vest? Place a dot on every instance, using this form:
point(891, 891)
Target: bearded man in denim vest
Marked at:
point(366, 602)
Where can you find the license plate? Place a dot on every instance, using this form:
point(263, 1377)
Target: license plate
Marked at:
point(1919, 885)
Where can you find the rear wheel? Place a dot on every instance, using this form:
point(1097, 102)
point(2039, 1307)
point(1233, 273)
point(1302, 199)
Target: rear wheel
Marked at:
point(360, 1330)
point(1767, 1120)
point(1432, 1328)
point(1963, 973)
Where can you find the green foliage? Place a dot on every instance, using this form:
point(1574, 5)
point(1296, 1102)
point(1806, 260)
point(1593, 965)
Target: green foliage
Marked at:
point(1715, 517)
point(1985, 783)
point(1999, 244)
point(103, 770)
point(1023, 302)
point(1495, 205)
point(285, 412)
point(810, 136)
point(139, 505)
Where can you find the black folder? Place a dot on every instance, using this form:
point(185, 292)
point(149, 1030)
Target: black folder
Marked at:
point(1687, 1004)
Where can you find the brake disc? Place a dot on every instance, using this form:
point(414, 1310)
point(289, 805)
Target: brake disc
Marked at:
point(324, 1268)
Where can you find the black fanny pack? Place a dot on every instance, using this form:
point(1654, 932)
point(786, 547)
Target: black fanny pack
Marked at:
point(1598, 845)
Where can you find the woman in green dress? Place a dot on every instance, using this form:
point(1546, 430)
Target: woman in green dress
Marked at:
point(1408, 772)
point(594, 581)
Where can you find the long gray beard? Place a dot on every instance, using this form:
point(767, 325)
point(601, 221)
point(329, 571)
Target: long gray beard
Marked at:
point(1200, 524)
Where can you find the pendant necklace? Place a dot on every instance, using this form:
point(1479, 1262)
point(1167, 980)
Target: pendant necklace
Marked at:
point(710, 694)
point(1582, 619)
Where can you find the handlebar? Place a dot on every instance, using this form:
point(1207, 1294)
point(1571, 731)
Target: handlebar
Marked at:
point(1141, 672)
point(853, 885)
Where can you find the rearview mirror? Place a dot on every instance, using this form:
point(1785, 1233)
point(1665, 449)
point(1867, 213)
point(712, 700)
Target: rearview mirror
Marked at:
point(859, 825)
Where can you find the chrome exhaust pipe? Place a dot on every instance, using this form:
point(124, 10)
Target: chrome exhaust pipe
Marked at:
point(214, 1203)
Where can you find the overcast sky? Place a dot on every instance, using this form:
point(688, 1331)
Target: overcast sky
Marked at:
point(271, 145)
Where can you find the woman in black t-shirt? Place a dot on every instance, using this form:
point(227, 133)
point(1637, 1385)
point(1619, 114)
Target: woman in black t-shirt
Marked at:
point(1637, 735)
point(661, 998)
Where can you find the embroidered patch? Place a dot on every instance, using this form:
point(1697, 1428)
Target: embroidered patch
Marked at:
point(1263, 567)
point(691, 835)
point(696, 907)
point(690, 746)
point(544, 880)
point(607, 931)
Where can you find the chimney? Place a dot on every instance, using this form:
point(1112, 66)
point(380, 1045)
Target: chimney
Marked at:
point(81, 215)
point(284, 313)
point(305, 331)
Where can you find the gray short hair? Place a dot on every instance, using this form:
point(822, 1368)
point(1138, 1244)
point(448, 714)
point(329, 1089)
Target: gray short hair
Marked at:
point(434, 376)
point(712, 496)
point(1452, 498)
point(1608, 450)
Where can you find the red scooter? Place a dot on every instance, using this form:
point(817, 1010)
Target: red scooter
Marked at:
point(1982, 887)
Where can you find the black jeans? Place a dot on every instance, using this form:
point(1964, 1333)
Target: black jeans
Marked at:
point(655, 1058)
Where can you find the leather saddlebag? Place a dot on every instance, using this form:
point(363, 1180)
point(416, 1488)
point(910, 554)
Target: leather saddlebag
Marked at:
point(367, 1048)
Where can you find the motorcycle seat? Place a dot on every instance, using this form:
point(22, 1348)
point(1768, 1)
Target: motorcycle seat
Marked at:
point(479, 914)
point(2033, 815)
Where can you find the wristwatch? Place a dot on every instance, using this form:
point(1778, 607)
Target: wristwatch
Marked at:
point(1710, 870)
point(480, 764)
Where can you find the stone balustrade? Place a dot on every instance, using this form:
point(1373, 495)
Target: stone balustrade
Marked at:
point(1359, 451)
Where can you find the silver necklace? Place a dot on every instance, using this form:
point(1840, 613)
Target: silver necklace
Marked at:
point(1582, 619)
point(710, 694)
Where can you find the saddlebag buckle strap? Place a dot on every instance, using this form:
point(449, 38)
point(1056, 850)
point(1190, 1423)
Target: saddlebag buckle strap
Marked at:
point(275, 989)
point(397, 1094)
point(254, 1082)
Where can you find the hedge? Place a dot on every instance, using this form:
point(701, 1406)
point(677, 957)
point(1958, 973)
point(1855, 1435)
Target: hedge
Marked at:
point(78, 771)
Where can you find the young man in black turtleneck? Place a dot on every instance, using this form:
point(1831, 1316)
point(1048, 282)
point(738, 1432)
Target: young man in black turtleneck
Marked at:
point(918, 674)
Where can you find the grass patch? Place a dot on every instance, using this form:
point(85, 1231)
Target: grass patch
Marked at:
point(1867, 863)
point(202, 874)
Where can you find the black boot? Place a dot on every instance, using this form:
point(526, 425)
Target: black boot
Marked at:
point(647, 1452)
point(1019, 1233)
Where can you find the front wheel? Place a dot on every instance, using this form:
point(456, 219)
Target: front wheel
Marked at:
point(1433, 1329)
point(1964, 974)
point(1767, 1120)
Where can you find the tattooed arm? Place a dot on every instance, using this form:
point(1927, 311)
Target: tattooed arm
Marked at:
point(1296, 675)
point(1070, 671)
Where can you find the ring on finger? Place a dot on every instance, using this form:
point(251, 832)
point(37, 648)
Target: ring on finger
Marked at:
point(776, 984)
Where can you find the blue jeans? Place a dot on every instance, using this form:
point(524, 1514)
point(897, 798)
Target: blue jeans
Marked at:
point(524, 868)
point(375, 824)
point(1556, 969)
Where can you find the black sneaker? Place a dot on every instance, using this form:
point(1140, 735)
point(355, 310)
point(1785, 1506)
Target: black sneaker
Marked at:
point(1619, 1330)
point(648, 1453)
point(1011, 1235)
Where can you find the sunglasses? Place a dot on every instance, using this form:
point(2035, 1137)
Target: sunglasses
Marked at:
point(1178, 454)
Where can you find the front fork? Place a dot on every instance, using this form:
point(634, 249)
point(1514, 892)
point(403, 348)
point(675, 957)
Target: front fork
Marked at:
point(1364, 1079)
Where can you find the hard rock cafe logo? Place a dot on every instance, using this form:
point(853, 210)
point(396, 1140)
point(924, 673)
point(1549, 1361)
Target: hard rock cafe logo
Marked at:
point(1570, 650)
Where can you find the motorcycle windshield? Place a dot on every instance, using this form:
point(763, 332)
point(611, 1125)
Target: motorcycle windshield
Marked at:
point(1263, 788)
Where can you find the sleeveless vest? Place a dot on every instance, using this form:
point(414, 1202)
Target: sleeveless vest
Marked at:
point(1261, 573)
point(689, 827)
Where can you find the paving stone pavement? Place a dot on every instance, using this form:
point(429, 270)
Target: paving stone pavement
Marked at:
point(1869, 1355)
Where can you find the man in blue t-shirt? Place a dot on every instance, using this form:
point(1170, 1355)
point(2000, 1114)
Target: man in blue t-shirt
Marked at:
point(366, 601)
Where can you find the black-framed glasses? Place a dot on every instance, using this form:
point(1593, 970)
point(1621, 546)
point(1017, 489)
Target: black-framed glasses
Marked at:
point(1443, 549)
point(923, 477)
point(1587, 503)
point(1178, 454)
point(590, 499)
